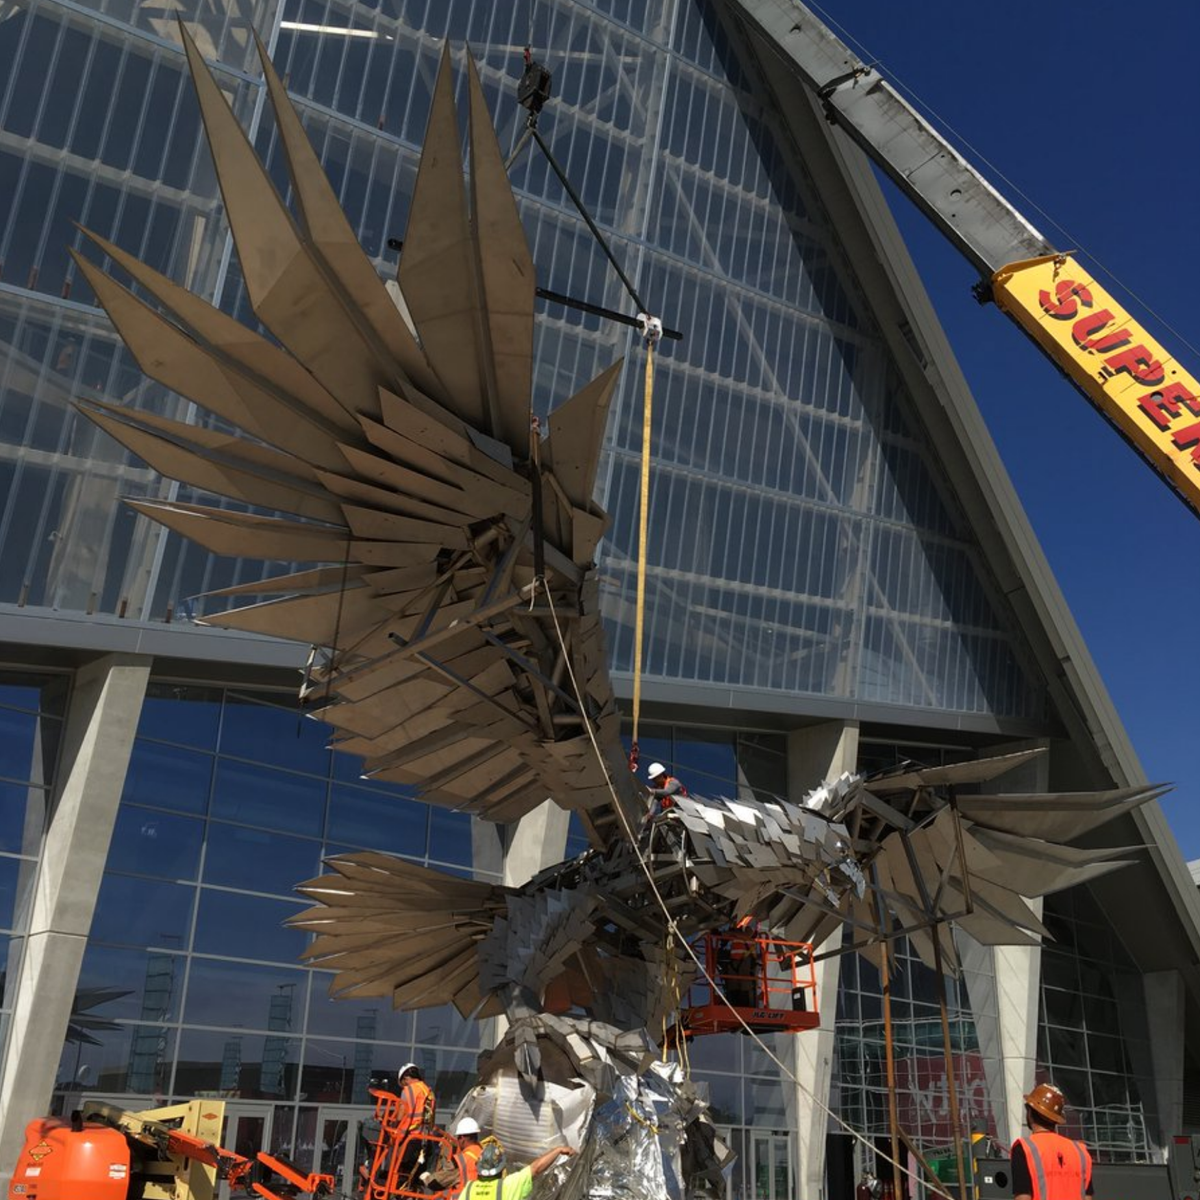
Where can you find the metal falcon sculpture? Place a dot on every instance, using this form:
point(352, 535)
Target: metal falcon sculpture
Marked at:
point(387, 441)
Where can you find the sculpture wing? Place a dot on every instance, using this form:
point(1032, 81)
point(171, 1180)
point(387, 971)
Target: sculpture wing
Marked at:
point(387, 439)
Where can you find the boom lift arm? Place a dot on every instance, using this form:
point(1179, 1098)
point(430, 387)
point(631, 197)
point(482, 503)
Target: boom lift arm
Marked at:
point(1141, 389)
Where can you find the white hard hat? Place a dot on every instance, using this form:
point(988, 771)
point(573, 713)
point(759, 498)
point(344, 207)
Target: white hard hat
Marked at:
point(654, 770)
point(466, 1126)
point(404, 1070)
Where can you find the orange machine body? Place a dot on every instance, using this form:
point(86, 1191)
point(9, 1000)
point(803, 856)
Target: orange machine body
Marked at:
point(60, 1163)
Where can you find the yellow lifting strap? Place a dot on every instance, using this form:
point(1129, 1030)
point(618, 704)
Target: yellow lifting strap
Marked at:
point(652, 331)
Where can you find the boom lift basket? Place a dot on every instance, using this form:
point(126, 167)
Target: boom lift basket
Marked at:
point(769, 983)
point(422, 1164)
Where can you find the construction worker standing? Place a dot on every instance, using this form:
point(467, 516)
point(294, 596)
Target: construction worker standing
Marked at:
point(494, 1184)
point(417, 1102)
point(1046, 1165)
point(408, 1111)
point(467, 1147)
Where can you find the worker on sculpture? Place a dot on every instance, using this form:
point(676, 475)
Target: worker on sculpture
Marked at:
point(494, 1183)
point(1046, 1165)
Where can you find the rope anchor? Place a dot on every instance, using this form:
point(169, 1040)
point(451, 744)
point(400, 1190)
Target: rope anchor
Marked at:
point(651, 327)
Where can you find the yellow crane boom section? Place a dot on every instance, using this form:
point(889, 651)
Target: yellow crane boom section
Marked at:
point(1133, 381)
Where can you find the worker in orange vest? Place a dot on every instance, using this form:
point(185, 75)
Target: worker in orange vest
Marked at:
point(414, 1112)
point(1046, 1165)
point(467, 1147)
point(417, 1102)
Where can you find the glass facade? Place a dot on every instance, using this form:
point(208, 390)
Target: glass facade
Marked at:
point(31, 718)
point(1092, 1028)
point(803, 540)
point(193, 984)
point(922, 1077)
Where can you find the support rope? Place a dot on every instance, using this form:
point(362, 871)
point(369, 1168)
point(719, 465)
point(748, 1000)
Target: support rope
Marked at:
point(639, 622)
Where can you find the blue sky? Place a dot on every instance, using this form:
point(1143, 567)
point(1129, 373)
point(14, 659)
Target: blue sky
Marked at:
point(1090, 111)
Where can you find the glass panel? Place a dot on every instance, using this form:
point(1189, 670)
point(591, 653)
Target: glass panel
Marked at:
point(252, 1066)
point(167, 777)
point(181, 713)
point(340, 1072)
point(378, 821)
point(23, 812)
point(146, 842)
point(710, 761)
point(247, 927)
point(17, 877)
point(270, 798)
point(122, 1059)
point(143, 912)
point(363, 1020)
point(243, 995)
point(133, 984)
point(449, 837)
point(270, 733)
point(443, 1026)
point(257, 860)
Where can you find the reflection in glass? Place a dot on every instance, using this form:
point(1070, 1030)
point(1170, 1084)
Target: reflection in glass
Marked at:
point(167, 777)
point(274, 733)
point(269, 798)
point(239, 926)
point(378, 820)
point(365, 1020)
point(244, 995)
point(181, 713)
point(146, 842)
point(150, 982)
point(143, 912)
point(340, 1072)
point(257, 860)
point(132, 1058)
point(235, 1064)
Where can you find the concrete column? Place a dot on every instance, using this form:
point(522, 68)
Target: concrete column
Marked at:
point(815, 754)
point(517, 853)
point(538, 840)
point(97, 741)
point(1164, 992)
point(1003, 984)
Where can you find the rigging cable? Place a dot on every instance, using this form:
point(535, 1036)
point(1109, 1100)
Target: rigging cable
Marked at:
point(920, 102)
point(652, 333)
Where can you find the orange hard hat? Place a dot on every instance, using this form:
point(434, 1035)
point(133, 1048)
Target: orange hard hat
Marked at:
point(1047, 1101)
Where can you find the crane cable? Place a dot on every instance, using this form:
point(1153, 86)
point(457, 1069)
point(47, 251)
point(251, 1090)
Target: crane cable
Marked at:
point(932, 1187)
point(651, 335)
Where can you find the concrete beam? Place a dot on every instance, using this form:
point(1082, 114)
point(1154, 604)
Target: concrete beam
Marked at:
point(102, 719)
point(815, 754)
point(1165, 1004)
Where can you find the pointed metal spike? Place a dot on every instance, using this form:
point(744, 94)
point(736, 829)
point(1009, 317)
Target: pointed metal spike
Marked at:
point(330, 235)
point(267, 365)
point(577, 428)
point(247, 535)
point(287, 287)
point(437, 268)
point(506, 275)
point(165, 353)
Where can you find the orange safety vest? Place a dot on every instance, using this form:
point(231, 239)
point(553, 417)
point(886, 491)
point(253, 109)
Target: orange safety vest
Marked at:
point(1059, 1168)
point(417, 1107)
point(470, 1155)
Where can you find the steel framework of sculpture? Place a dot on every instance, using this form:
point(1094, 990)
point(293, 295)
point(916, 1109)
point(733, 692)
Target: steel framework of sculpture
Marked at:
point(454, 593)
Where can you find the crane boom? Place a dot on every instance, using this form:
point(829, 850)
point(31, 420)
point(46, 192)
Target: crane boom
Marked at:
point(1132, 380)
